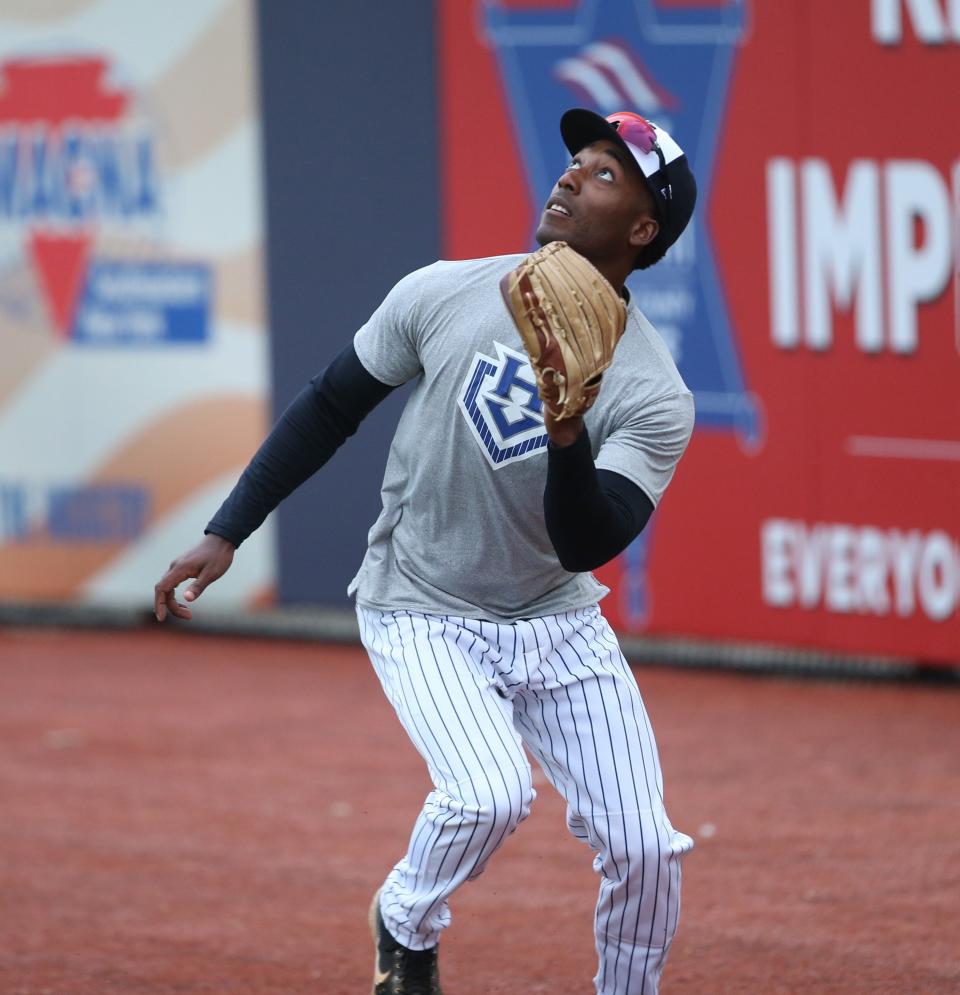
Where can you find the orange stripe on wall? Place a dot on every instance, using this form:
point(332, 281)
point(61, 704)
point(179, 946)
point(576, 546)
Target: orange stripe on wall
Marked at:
point(224, 52)
point(239, 287)
point(263, 598)
point(49, 10)
point(173, 457)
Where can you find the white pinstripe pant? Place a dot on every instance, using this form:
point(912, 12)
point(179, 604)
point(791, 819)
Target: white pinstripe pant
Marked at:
point(470, 694)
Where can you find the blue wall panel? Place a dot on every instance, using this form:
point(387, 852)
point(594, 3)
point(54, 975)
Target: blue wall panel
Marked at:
point(349, 101)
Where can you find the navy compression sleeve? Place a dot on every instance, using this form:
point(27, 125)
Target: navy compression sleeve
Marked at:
point(319, 419)
point(591, 515)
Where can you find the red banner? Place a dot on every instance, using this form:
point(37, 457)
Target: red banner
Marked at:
point(832, 198)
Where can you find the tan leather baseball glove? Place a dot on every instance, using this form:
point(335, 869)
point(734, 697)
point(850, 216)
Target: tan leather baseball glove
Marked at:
point(570, 320)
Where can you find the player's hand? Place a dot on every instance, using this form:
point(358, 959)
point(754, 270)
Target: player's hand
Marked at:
point(209, 560)
point(563, 432)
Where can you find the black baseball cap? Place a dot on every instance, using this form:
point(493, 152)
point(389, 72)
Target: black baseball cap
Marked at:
point(662, 163)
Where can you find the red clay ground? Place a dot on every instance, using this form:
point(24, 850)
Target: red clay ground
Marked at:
point(188, 814)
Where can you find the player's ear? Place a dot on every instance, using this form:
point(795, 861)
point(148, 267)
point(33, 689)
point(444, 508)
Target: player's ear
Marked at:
point(645, 229)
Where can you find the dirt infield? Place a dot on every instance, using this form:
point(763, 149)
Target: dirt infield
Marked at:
point(184, 815)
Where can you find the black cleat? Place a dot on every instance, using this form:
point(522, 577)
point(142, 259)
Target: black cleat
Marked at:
point(398, 970)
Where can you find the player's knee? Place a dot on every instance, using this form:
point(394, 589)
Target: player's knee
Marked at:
point(642, 850)
point(502, 807)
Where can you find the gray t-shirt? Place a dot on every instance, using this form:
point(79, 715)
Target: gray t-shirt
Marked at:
point(462, 529)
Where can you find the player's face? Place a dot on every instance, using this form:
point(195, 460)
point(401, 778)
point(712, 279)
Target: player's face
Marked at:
point(600, 205)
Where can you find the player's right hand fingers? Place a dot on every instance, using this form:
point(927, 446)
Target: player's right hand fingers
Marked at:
point(212, 568)
point(208, 574)
point(164, 593)
point(207, 561)
point(175, 608)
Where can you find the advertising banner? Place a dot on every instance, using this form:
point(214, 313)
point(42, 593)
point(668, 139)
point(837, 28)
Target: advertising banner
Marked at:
point(813, 305)
point(133, 368)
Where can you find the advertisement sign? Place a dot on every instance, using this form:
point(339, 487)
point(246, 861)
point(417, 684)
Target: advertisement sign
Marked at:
point(812, 306)
point(134, 377)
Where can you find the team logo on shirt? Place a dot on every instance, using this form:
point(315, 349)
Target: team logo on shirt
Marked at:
point(500, 403)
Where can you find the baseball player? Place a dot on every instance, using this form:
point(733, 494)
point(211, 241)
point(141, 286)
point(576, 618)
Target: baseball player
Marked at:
point(475, 598)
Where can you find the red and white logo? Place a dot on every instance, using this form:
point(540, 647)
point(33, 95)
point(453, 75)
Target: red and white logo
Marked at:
point(76, 158)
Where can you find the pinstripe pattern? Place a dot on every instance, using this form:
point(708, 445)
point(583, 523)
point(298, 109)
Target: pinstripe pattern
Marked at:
point(471, 695)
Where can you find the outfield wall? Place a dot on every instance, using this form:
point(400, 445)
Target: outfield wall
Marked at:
point(134, 365)
point(813, 306)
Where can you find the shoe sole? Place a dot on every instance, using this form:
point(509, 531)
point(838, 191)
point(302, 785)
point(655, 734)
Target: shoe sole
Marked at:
point(372, 920)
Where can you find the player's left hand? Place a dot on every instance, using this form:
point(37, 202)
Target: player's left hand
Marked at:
point(564, 431)
point(570, 319)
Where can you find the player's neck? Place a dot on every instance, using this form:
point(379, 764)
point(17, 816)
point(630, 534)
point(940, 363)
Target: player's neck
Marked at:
point(615, 271)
